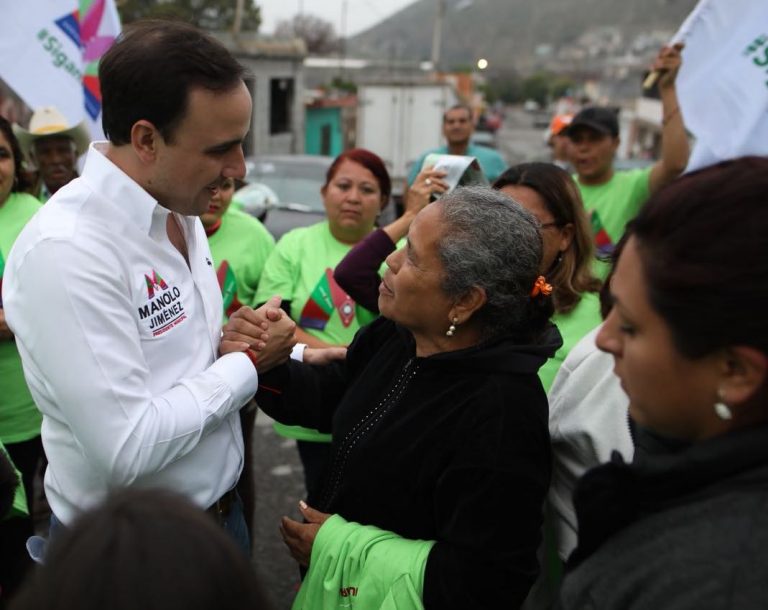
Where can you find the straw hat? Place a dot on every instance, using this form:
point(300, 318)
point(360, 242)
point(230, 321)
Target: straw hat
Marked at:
point(48, 121)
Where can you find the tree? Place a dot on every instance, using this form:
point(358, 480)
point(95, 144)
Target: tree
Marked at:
point(318, 34)
point(545, 86)
point(215, 15)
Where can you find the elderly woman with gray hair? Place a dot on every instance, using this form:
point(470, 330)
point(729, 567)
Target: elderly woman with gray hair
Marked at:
point(441, 456)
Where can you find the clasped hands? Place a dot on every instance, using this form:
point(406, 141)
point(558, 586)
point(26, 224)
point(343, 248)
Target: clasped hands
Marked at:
point(267, 331)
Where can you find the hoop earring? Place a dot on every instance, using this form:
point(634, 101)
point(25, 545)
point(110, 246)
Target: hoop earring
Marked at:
point(722, 410)
point(452, 328)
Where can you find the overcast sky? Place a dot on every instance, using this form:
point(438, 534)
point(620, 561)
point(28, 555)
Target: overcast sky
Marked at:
point(361, 14)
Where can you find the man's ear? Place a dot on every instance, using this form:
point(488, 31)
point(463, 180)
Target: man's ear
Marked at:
point(746, 369)
point(145, 139)
point(473, 300)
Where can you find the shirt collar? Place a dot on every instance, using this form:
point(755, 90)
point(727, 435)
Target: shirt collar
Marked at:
point(118, 188)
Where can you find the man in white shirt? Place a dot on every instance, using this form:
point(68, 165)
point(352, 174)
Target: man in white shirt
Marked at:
point(113, 298)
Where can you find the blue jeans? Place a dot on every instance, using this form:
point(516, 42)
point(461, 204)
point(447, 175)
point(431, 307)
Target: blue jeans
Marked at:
point(233, 523)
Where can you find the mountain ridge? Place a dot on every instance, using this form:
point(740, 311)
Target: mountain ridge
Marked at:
point(518, 33)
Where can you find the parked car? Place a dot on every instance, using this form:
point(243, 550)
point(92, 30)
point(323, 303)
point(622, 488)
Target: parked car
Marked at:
point(294, 181)
point(283, 191)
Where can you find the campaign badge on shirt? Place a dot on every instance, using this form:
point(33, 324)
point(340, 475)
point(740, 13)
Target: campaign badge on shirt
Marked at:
point(327, 296)
point(603, 243)
point(163, 309)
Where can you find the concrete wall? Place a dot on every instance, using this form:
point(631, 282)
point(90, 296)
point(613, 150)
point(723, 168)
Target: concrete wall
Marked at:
point(263, 72)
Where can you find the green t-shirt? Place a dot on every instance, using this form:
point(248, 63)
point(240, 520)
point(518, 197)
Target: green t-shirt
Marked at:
point(612, 205)
point(19, 417)
point(300, 270)
point(363, 567)
point(19, 508)
point(572, 326)
point(240, 248)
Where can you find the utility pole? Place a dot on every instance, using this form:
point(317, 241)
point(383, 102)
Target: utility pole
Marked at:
point(343, 38)
point(238, 23)
point(437, 35)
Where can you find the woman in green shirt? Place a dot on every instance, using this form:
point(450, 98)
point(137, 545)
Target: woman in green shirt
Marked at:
point(19, 418)
point(300, 270)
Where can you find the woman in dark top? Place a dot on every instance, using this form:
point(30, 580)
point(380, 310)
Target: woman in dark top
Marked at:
point(685, 525)
point(439, 420)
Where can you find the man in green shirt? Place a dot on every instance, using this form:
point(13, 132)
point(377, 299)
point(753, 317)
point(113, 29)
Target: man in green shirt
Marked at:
point(613, 198)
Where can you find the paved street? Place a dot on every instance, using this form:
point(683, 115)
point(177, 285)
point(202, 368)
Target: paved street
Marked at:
point(518, 140)
point(279, 487)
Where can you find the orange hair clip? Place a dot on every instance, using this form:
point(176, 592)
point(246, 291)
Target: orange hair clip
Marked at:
point(540, 286)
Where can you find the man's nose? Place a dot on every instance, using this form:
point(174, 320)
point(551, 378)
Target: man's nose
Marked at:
point(235, 166)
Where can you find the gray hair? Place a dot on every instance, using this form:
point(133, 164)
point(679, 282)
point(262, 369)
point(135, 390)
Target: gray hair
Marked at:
point(492, 242)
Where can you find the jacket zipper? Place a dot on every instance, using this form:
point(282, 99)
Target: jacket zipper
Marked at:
point(362, 428)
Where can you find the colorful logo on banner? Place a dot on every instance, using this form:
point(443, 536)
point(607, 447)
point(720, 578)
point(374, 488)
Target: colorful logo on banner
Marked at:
point(82, 28)
point(603, 242)
point(326, 297)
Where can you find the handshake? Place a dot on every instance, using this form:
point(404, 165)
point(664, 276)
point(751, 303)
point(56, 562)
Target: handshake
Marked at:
point(267, 332)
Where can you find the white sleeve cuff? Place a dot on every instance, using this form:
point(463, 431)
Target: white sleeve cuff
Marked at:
point(238, 372)
point(298, 352)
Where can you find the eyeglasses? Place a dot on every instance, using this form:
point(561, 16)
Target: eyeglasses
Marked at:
point(547, 225)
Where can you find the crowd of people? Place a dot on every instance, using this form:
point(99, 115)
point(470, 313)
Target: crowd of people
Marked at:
point(554, 373)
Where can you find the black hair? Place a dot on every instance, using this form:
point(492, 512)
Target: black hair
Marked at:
point(148, 549)
point(151, 68)
point(702, 243)
point(20, 180)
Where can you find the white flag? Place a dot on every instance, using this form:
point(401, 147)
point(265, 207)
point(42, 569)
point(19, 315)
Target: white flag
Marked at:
point(723, 82)
point(49, 54)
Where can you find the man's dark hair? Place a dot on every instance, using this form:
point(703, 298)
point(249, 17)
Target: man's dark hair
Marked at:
point(470, 113)
point(149, 71)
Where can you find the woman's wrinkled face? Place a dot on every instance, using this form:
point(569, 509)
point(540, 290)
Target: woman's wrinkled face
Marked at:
point(410, 292)
point(352, 200)
point(668, 393)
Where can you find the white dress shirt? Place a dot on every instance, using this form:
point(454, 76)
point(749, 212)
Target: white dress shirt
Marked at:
point(587, 423)
point(119, 341)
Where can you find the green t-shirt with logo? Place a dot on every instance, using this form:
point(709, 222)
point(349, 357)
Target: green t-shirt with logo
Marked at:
point(572, 326)
point(240, 248)
point(19, 417)
point(300, 270)
point(612, 205)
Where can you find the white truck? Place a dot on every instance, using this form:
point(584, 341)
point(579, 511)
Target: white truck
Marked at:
point(400, 121)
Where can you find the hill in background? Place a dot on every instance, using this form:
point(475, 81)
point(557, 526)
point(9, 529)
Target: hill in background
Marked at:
point(525, 34)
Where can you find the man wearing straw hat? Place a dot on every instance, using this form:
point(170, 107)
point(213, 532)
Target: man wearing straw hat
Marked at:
point(54, 145)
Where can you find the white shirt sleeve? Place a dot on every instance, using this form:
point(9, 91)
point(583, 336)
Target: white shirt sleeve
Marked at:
point(83, 356)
